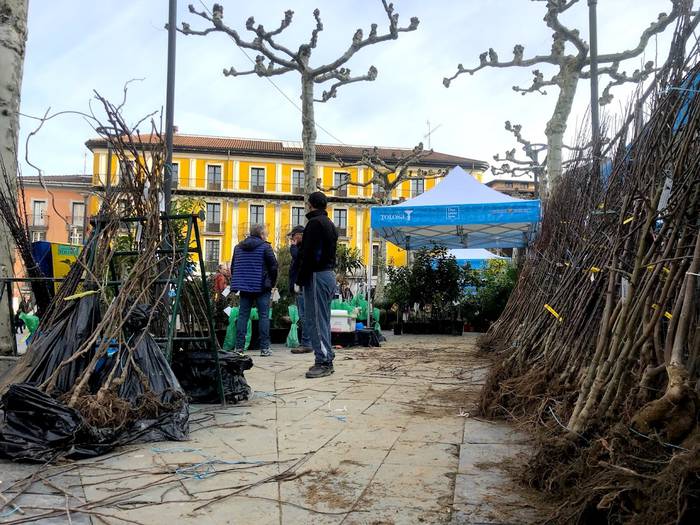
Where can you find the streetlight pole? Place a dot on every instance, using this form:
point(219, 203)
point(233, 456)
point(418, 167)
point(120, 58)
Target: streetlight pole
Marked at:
point(595, 118)
point(170, 105)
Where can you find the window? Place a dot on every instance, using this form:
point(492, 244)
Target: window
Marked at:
point(38, 213)
point(175, 173)
point(375, 260)
point(340, 218)
point(76, 235)
point(298, 182)
point(509, 184)
point(257, 214)
point(257, 180)
point(298, 216)
point(213, 217)
point(377, 190)
point(38, 236)
point(417, 187)
point(211, 254)
point(214, 178)
point(78, 214)
point(340, 179)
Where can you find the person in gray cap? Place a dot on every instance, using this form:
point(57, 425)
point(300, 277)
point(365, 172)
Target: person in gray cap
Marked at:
point(295, 240)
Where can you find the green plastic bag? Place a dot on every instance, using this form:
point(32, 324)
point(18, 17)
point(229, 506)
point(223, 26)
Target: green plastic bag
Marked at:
point(293, 337)
point(230, 339)
point(31, 321)
point(231, 330)
point(375, 314)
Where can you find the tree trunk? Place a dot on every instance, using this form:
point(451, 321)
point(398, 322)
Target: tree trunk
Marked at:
point(556, 128)
point(308, 134)
point(381, 260)
point(13, 38)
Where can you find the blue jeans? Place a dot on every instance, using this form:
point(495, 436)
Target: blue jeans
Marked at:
point(317, 321)
point(262, 301)
point(305, 338)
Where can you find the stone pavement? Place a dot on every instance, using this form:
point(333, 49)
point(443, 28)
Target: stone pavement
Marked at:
point(376, 443)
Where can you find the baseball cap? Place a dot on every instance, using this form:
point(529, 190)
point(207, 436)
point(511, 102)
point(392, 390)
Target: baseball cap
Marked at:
point(295, 230)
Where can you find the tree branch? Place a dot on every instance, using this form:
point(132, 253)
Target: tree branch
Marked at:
point(490, 59)
point(259, 69)
point(679, 7)
point(257, 44)
point(343, 76)
point(319, 27)
point(620, 78)
point(538, 82)
point(358, 40)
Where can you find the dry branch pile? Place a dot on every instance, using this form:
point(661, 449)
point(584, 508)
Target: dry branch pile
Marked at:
point(601, 338)
point(93, 363)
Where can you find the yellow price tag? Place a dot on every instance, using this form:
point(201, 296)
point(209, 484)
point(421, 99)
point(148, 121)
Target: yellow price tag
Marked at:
point(668, 315)
point(628, 220)
point(595, 269)
point(553, 312)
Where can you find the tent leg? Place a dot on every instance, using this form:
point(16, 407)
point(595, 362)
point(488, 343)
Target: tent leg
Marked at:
point(369, 279)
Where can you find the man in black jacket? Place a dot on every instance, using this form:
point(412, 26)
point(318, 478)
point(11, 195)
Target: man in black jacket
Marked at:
point(317, 277)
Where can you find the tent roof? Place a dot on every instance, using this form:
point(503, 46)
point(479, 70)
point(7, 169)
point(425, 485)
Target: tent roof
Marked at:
point(458, 187)
point(459, 212)
point(473, 254)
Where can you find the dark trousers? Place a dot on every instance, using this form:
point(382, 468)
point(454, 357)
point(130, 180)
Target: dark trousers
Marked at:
point(262, 301)
point(317, 320)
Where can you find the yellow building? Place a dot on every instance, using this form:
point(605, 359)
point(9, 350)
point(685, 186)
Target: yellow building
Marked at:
point(244, 181)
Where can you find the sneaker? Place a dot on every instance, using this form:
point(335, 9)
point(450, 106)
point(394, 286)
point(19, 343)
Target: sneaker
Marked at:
point(302, 350)
point(319, 371)
point(265, 353)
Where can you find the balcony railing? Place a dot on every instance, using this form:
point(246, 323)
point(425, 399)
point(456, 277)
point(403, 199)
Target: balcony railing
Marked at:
point(211, 266)
point(342, 192)
point(298, 190)
point(212, 227)
point(214, 185)
point(257, 188)
point(38, 220)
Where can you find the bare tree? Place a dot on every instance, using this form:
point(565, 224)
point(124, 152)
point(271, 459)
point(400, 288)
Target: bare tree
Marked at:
point(13, 38)
point(277, 59)
point(570, 56)
point(388, 172)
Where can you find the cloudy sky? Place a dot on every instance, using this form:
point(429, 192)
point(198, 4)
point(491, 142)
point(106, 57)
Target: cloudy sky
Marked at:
point(77, 46)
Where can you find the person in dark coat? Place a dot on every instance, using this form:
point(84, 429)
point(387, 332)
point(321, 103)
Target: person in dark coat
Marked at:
point(317, 277)
point(295, 244)
point(254, 275)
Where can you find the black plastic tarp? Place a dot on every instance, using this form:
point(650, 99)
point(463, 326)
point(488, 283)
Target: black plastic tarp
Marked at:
point(197, 374)
point(36, 426)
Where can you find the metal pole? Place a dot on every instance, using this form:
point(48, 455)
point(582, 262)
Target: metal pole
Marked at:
point(595, 119)
point(170, 105)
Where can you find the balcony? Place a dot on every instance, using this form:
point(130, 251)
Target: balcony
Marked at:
point(213, 185)
point(342, 192)
point(298, 190)
point(257, 188)
point(38, 221)
point(212, 227)
point(211, 266)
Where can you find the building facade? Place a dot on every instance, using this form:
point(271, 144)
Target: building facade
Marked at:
point(56, 207)
point(521, 189)
point(243, 181)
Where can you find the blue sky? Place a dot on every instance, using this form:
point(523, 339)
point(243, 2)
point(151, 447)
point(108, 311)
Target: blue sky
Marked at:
point(77, 46)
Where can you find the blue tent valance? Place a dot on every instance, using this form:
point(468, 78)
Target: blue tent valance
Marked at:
point(459, 212)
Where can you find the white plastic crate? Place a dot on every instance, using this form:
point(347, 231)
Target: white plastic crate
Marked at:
point(342, 321)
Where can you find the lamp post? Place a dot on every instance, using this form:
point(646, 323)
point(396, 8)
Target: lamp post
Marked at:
point(170, 105)
point(595, 118)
